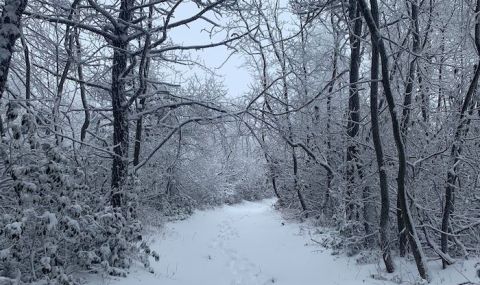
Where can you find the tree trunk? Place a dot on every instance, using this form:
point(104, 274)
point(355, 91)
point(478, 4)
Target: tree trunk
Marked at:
point(69, 41)
point(407, 110)
point(460, 133)
point(9, 33)
point(28, 71)
point(326, 204)
point(440, 97)
point(296, 184)
point(138, 135)
point(424, 97)
point(353, 104)
point(143, 90)
point(270, 162)
point(377, 142)
point(119, 106)
point(83, 95)
point(410, 230)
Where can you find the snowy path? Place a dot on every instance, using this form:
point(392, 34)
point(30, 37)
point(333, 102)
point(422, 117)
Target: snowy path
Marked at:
point(247, 244)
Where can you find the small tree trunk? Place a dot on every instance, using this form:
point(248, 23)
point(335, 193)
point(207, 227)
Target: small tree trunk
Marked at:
point(69, 41)
point(138, 135)
point(143, 90)
point(440, 97)
point(326, 204)
point(28, 69)
point(424, 97)
point(461, 131)
point(296, 183)
point(83, 95)
point(271, 163)
point(407, 110)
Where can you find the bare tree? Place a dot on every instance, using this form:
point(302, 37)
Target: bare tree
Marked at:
point(402, 162)
point(457, 145)
point(377, 142)
point(355, 31)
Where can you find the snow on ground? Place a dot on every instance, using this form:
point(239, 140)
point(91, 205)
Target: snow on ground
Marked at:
point(246, 244)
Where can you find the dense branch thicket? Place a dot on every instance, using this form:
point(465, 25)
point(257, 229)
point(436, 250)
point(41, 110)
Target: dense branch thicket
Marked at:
point(428, 61)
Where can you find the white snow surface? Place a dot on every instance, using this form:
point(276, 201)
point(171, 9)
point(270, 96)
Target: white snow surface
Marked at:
point(247, 244)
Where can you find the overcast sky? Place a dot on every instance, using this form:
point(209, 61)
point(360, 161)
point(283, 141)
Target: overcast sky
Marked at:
point(235, 75)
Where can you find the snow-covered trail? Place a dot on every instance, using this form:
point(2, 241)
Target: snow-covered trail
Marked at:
point(247, 244)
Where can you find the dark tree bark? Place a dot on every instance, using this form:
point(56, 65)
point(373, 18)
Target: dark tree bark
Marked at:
point(326, 204)
point(440, 97)
point(353, 104)
point(424, 88)
point(10, 31)
point(296, 183)
point(28, 71)
point(271, 165)
point(119, 105)
point(83, 95)
point(69, 42)
point(410, 230)
point(415, 32)
point(424, 97)
point(138, 134)
point(377, 142)
point(144, 72)
point(411, 69)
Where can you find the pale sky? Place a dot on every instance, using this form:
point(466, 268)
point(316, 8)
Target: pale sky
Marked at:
point(236, 77)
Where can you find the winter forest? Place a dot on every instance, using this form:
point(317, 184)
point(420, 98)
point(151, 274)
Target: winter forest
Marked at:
point(218, 142)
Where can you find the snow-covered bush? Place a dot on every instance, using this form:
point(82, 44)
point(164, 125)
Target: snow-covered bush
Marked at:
point(52, 224)
point(175, 206)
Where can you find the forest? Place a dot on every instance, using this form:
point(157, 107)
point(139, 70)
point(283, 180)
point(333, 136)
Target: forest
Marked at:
point(357, 117)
